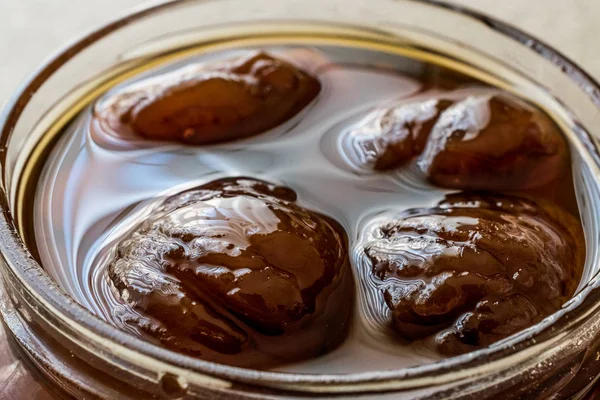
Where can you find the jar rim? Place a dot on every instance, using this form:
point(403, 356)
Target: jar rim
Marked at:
point(32, 276)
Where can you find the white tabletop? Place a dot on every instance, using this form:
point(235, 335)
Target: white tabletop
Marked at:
point(30, 30)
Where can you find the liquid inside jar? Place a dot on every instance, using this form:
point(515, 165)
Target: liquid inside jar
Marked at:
point(312, 208)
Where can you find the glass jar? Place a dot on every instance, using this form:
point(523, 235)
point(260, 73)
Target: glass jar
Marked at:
point(90, 358)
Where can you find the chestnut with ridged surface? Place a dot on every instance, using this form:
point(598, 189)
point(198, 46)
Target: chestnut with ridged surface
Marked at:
point(476, 268)
point(235, 272)
point(494, 142)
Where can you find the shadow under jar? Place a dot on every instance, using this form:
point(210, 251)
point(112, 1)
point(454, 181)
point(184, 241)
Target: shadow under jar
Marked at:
point(78, 188)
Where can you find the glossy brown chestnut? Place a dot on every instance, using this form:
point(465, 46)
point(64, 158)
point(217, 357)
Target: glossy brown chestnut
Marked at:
point(476, 268)
point(396, 135)
point(213, 102)
point(494, 142)
point(235, 272)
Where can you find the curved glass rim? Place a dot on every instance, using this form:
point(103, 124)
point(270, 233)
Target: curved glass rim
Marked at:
point(34, 279)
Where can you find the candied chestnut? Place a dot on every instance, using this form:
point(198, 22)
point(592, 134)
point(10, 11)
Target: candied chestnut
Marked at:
point(494, 142)
point(392, 137)
point(235, 272)
point(216, 102)
point(476, 268)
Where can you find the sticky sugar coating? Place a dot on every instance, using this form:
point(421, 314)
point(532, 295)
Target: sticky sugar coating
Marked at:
point(392, 137)
point(494, 143)
point(476, 268)
point(483, 140)
point(235, 272)
point(211, 102)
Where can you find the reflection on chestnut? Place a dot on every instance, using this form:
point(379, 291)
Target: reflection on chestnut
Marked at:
point(212, 102)
point(234, 271)
point(390, 138)
point(494, 142)
point(476, 268)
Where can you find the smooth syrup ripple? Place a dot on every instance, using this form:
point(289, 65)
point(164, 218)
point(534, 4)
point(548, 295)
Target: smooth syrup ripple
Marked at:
point(96, 187)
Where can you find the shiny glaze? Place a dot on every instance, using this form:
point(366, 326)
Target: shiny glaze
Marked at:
point(494, 142)
point(478, 139)
point(476, 268)
point(390, 138)
point(233, 271)
point(212, 102)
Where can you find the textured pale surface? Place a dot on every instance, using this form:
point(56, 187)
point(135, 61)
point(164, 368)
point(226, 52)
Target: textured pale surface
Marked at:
point(31, 30)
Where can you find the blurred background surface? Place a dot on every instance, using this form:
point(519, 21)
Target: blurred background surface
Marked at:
point(31, 30)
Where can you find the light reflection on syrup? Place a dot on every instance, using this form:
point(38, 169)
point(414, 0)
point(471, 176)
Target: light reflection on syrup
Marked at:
point(97, 186)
